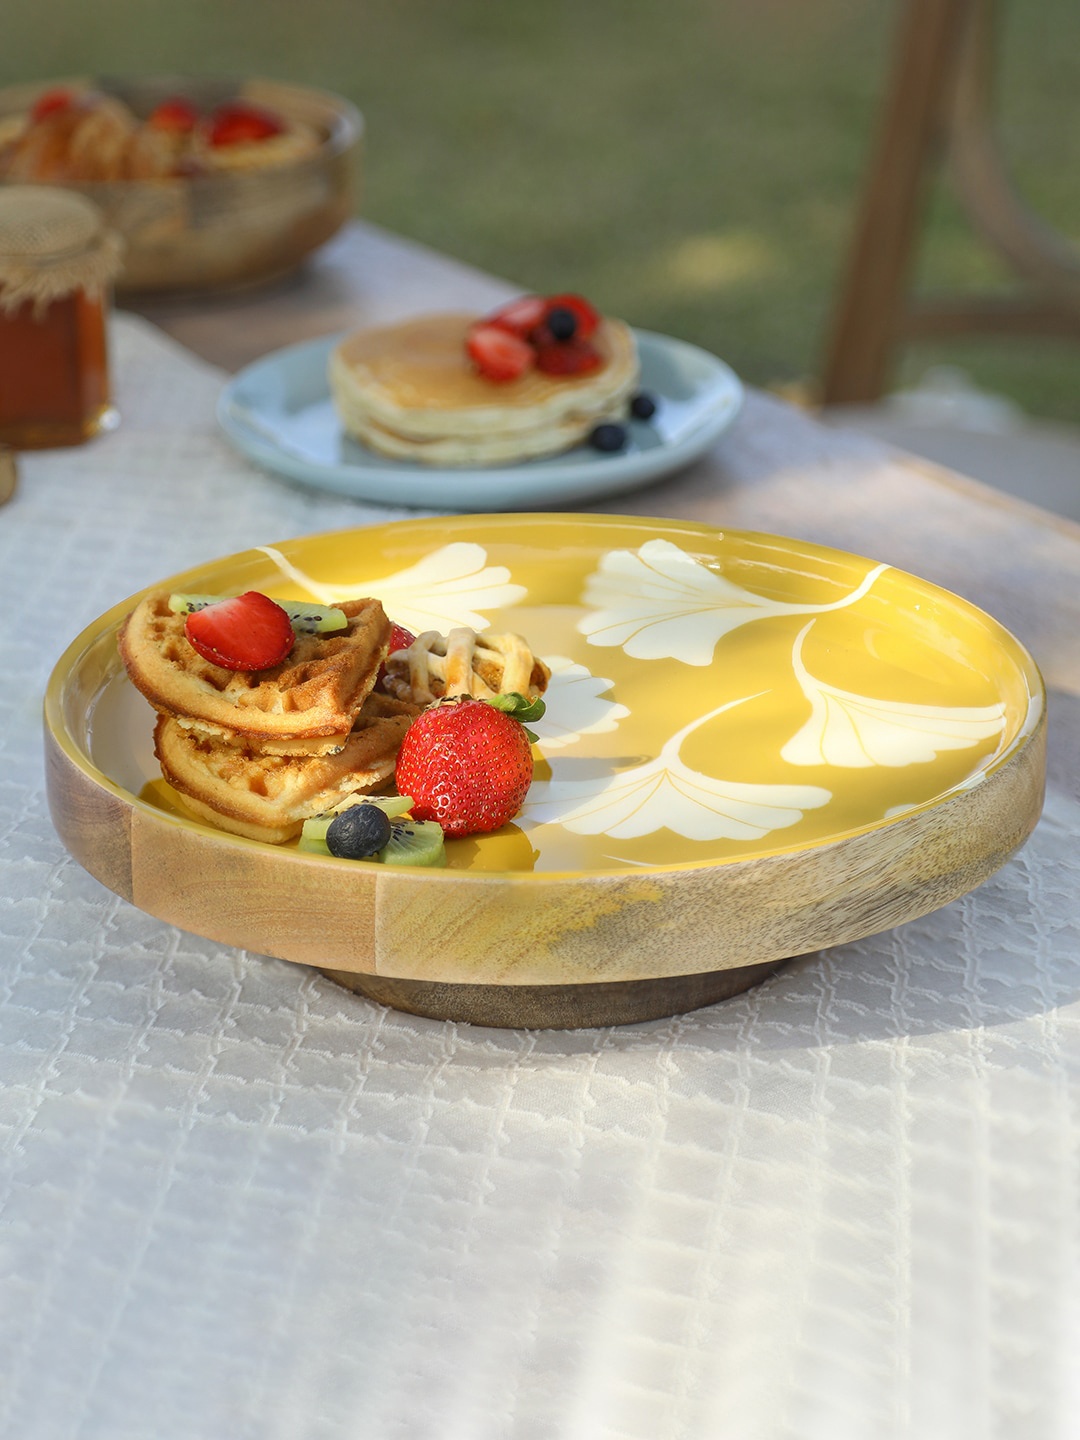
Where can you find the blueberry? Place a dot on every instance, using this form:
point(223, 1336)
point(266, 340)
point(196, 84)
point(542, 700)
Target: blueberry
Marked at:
point(642, 406)
point(608, 438)
point(358, 832)
point(562, 323)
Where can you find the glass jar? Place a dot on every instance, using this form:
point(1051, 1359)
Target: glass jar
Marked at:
point(57, 264)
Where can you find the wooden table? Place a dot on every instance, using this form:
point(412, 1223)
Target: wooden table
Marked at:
point(777, 470)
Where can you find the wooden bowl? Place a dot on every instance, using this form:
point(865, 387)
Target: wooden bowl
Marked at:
point(754, 748)
point(227, 231)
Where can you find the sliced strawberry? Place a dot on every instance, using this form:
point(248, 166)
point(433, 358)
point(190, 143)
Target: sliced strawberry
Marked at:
point(51, 102)
point(400, 639)
point(568, 357)
point(178, 116)
point(240, 123)
point(520, 316)
point(586, 315)
point(246, 632)
point(498, 354)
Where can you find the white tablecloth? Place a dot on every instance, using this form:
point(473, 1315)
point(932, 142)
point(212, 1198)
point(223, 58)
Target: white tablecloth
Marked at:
point(240, 1203)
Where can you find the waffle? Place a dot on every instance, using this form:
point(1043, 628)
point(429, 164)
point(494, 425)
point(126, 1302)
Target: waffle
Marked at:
point(410, 391)
point(304, 706)
point(268, 797)
point(464, 663)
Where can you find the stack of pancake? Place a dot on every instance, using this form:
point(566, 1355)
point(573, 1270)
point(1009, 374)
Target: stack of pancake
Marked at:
point(409, 391)
point(259, 752)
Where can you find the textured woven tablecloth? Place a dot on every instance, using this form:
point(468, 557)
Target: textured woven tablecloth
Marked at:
point(240, 1203)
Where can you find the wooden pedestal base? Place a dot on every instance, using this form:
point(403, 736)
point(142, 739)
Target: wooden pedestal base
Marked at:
point(558, 1007)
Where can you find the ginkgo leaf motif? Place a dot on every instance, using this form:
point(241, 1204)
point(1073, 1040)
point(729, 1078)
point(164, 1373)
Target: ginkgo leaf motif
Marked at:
point(856, 731)
point(454, 585)
point(575, 705)
point(658, 602)
point(666, 793)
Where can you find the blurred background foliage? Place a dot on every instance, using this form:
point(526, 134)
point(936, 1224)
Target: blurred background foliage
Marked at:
point(689, 164)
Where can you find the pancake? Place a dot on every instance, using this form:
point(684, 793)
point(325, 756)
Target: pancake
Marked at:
point(268, 797)
point(409, 390)
point(493, 449)
point(305, 705)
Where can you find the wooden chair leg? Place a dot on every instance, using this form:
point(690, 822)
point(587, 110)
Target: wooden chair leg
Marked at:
point(1047, 262)
point(869, 315)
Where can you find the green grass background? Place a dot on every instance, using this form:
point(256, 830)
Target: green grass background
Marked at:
point(690, 164)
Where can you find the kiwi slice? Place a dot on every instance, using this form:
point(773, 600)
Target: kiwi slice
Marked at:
point(313, 835)
point(306, 618)
point(392, 804)
point(414, 842)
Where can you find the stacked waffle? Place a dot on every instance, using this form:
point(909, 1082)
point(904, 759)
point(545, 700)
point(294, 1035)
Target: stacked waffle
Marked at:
point(259, 752)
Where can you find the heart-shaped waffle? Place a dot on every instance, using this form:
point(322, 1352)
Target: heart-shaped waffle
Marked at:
point(268, 797)
point(306, 705)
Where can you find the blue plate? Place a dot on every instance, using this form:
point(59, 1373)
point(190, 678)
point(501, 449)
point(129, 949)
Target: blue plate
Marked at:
point(278, 411)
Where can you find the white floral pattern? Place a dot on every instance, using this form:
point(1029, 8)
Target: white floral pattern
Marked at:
point(454, 585)
point(660, 603)
point(575, 705)
point(667, 793)
point(855, 731)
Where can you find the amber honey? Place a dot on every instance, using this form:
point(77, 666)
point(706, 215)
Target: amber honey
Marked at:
point(54, 373)
point(57, 264)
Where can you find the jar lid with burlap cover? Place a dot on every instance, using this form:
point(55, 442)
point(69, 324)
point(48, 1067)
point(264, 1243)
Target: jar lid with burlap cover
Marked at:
point(52, 243)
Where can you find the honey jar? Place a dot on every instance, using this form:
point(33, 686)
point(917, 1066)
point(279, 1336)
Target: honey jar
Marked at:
point(57, 263)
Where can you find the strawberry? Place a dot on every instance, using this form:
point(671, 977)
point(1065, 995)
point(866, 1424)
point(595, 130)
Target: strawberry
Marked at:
point(498, 354)
point(400, 639)
point(239, 123)
point(586, 315)
point(567, 357)
point(50, 102)
point(520, 316)
point(178, 116)
point(246, 632)
point(467, 763)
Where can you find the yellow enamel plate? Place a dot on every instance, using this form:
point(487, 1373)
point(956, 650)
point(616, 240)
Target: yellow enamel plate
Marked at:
point(717, 698)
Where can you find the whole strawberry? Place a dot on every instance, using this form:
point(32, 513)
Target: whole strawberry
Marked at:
point(468, 763)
